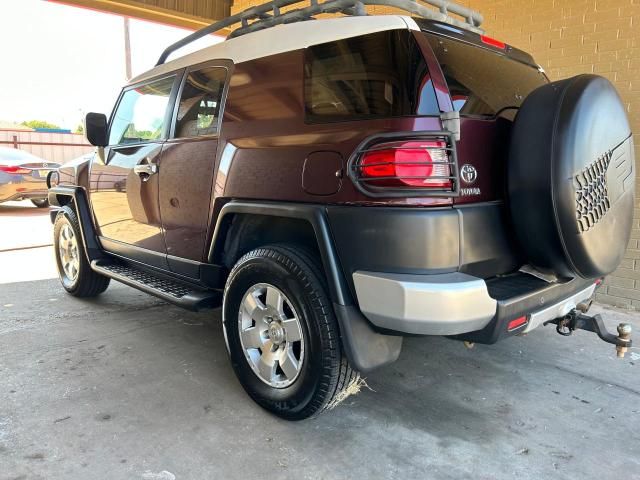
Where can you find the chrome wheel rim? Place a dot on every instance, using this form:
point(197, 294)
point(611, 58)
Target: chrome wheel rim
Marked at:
point(68, 252)
point(271, 335)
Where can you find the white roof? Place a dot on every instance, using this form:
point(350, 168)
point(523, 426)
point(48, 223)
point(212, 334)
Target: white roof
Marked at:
point(285, 38)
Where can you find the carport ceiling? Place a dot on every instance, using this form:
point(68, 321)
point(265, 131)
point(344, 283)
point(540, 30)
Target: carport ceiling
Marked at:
point(181, 13)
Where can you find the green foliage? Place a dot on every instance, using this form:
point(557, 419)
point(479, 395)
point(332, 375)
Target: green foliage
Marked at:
point(79, 128)
point(39, 124)
point(138, 135)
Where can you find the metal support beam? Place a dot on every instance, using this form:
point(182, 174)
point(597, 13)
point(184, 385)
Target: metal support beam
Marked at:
point(192, 15)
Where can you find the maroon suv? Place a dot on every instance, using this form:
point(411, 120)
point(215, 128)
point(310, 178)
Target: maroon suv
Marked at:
point(338, 184)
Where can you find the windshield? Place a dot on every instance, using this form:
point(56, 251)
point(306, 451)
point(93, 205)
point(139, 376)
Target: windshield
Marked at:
point(482, 82)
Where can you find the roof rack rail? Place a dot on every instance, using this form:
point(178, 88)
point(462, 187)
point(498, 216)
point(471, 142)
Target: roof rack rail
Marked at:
point(268, 15)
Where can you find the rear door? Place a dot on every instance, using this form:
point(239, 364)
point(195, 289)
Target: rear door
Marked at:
point(187, 165)
point(487, 88)
point(124, 180)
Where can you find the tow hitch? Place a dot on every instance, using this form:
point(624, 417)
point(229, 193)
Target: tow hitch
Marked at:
point(579, 321)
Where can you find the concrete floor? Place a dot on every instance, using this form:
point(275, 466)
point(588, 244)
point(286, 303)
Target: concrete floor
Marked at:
point(127, 387)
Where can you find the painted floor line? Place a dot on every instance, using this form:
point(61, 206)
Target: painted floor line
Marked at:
point(15, 249)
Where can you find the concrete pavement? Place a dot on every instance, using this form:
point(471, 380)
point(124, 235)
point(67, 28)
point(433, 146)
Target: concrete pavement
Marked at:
point(22, 225)
point(128, 387)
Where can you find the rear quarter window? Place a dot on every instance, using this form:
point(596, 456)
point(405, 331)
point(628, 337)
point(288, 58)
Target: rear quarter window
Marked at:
point(482, 82)
point(377, 75)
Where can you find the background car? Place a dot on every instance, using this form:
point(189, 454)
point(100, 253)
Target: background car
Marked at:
point(23, 176)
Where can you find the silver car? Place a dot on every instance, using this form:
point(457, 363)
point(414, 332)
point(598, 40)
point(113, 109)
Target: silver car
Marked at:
point(23, 176)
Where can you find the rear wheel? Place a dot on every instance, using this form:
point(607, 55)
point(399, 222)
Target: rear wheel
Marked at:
point(40, 202)
point(74, 270)
point(282, 334)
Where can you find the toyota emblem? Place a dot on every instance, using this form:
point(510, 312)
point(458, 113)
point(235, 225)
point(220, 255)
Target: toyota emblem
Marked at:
point(468, 173)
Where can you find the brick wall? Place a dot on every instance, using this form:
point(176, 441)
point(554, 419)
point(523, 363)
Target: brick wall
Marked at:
point(569, 37)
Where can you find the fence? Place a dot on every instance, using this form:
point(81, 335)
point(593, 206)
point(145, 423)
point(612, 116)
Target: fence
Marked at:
point(53, 147)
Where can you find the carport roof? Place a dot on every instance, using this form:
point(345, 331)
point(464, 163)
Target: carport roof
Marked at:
point(192, 14)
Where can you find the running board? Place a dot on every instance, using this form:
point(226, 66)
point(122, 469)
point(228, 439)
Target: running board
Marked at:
point(170, 290)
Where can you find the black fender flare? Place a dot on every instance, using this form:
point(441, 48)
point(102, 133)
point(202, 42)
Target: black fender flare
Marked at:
point(317, 218)
point(77, 196)
point(365, 348)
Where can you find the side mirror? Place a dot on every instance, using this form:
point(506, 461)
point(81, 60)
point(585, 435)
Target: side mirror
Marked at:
point(95, 126)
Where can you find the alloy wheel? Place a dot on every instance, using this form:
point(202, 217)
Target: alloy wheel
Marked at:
point(271, 335)
point(68, 251)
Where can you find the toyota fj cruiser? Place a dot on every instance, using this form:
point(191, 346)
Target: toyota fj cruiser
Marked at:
point(338, 184)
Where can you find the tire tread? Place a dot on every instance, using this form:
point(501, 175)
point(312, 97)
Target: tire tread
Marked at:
point(337, 373)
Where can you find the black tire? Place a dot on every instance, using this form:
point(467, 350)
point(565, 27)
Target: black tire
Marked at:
point(86, 283)
point(40, 202)
point(325, 377)
point(571, 177)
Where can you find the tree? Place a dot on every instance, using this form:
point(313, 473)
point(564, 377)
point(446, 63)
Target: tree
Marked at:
point(39, 124)
point(79, 128)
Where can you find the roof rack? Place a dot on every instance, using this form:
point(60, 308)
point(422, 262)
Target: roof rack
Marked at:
point(268, 15)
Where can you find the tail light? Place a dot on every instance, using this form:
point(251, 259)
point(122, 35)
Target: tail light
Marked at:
point(14, 170)
point(414, 164)
point(418, 164)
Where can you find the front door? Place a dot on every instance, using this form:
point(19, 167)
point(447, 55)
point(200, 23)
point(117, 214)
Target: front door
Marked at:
point(187, 166)
point(123, 179)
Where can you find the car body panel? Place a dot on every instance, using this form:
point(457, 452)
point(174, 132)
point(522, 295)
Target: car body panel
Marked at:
point(124, 205)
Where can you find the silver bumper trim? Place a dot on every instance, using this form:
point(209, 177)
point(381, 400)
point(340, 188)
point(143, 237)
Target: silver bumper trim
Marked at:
point(559, 309)
point(445, 304)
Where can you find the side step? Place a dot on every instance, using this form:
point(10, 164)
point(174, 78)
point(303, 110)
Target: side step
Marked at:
point(174, 291)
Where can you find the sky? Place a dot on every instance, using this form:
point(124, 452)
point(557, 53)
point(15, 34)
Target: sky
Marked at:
point(59, 62)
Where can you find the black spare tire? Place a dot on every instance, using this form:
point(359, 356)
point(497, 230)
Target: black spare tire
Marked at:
point(571, 177)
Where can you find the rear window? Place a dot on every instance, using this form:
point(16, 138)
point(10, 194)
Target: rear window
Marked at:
point(482, 82)
point(377, 75)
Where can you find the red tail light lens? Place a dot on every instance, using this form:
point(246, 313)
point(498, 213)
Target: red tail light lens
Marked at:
point(493, 42)
point(407, 164)
point(15, 170)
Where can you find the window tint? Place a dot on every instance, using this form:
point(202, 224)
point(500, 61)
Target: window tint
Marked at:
point(378, 75)
point(199, 109)
point(141, 113)
point(482, 82)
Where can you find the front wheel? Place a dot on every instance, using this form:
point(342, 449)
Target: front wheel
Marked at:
point(282, 334)
point(74, 270)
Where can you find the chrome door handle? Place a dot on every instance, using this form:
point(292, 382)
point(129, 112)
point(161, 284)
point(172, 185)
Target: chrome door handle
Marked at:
point(145, 171)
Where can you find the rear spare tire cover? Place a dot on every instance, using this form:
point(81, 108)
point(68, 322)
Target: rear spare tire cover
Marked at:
point(571, 177)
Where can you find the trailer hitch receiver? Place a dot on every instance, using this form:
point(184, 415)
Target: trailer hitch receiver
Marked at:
point(577, 321)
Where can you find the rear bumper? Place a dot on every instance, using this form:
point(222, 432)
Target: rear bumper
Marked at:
point(420, 271)
point(21, 189)
point(559, 309)
point(36, 194)
point(457, 304)
point(445, 304)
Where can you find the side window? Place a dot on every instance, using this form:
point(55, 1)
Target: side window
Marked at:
point(378, 75)
point(141, 113)
point(199, 108)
